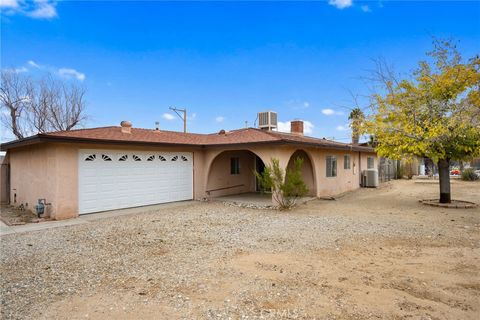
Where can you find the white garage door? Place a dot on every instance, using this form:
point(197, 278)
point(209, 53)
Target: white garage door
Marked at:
point(114, 179)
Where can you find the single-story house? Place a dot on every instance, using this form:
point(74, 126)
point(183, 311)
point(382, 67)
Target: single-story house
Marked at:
point(98, 169)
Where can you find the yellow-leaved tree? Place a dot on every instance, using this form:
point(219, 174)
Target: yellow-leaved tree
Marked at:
point(434, 113)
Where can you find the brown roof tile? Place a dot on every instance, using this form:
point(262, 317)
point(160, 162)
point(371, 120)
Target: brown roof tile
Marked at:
point(148, 136)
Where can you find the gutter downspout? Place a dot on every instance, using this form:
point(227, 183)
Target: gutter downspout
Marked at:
point(360, 167)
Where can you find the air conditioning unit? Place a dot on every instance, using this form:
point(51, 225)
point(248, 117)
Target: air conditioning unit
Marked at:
point(370, 178)
point(267, 120)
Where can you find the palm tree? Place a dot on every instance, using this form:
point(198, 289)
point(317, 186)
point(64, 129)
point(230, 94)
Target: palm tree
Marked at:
point(356, 118)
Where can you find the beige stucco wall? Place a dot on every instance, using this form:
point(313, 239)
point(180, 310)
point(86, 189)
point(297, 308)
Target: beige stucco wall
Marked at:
point(221, 182)
point(346, 179)
point(50, 171)
point(32, 176)
point(308, 174)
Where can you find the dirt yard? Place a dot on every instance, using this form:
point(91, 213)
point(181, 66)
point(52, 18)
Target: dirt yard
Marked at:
point(373, 254)
point(12, 216)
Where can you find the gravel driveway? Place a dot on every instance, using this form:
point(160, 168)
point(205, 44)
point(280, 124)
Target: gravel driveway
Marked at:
point(371, 254)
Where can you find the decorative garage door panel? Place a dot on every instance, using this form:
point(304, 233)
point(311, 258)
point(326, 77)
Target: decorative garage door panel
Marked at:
point(114, 179)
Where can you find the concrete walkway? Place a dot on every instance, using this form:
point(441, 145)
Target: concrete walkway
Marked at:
point(87, 218)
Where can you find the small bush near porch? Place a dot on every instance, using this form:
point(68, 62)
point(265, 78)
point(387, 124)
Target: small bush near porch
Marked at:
point(287, 187)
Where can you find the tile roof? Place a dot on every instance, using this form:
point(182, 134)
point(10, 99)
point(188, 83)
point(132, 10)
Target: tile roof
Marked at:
point(114, 134)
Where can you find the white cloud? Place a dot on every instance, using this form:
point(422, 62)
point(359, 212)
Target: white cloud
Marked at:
point(68, 72)
point(365, 8)
point(220, 119)
point(21, 69)
point(33, 64)
point(340, 4)
point(37, 9)
point(331, 112)
point(168, 116)
point(297, 104)
point(308, 127)
point(15, 70)
point(343, 128)
point(44, 9)
point(30, 65)
point(9, 4)
point(285, 127)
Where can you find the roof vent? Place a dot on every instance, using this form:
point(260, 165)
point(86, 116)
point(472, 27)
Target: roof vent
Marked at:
point(126, 126)
point(222, 132)
point(267, 120)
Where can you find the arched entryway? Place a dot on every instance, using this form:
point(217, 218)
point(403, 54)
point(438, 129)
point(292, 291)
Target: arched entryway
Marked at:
point(308, 170)
point(232, 172)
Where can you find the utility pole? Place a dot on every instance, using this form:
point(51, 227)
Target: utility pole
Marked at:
point(184, 117)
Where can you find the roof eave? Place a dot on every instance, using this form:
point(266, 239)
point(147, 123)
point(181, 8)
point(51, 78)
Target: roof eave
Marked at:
point(21, 142)
point(42, 138)
point(346, 147)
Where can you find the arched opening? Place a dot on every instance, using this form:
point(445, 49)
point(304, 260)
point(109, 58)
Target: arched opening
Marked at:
point(232, 172)
point(308, 172)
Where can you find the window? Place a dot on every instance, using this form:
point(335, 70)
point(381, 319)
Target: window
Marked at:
point(331, 166)
point(106, 158)
point(91, 157)
point(175, 158)
point(162, 158)
point(123, 158)
point(346, 161)
point(184, 158)
point(136, 158)
point(370, 163)
point(151, 158)
point(234, 165)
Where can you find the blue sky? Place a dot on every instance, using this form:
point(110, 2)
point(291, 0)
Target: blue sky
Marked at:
point(225, 61)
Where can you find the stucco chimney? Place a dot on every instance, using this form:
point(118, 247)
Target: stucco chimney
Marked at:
point(126, 126)
point(296, 127)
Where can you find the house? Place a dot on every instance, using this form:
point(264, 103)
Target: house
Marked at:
point(91, 170)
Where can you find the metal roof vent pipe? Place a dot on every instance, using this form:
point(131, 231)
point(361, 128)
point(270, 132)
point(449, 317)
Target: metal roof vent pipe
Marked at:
point(296, 127)
point(126, 126)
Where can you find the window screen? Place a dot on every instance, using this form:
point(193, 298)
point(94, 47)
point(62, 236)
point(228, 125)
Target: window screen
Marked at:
point(370, 163)
point(346, 161)
point(331, 166)
point(234, 165)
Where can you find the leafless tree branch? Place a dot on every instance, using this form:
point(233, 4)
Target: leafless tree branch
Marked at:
point(31, 107)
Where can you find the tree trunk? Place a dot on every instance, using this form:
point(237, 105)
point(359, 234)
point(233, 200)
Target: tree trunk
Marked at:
point(14, 123)
point(355, 139)
point(444, 176)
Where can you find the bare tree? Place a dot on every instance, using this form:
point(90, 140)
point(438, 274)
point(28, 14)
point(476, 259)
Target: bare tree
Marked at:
point(36, 106)
point(14, 98)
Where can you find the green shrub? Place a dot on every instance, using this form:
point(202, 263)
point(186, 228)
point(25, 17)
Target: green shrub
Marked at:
point(469, 175)
point(286, 188)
